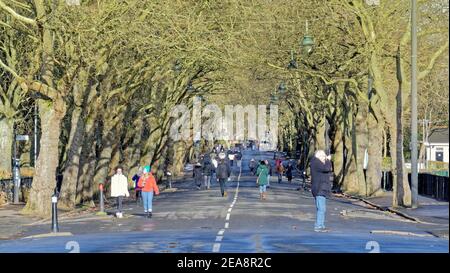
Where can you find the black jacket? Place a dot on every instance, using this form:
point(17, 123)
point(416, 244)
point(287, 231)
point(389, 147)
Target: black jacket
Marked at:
point(320, 177)
point(197, 174)
point(223, 170)
point(208, 167)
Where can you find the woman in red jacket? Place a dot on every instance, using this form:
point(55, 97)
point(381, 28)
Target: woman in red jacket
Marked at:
point(148, 184)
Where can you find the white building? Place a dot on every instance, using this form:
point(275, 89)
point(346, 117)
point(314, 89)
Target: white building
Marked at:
point(437, 146)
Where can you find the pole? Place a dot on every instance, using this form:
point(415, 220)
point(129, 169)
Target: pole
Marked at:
point(414, 172)
point(327, 140)
point(55, 227)
point(427, 124)
point(102, 202)
point(35, 132)
point(16, 172)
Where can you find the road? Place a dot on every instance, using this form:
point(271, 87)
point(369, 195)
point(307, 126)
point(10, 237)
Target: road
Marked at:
point(189, 220)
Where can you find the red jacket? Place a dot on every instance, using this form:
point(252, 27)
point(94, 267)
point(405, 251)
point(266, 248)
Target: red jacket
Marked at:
point(149, 184)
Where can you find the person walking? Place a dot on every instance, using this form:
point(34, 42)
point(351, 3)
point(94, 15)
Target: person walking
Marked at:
point(252, 166)
point(238, 157)
point(149, 188)
point(215, 163)
point(280, 170)
point(231, 157)
point(269, 167)
point(321, 171)
point(223, 173)
point(119, 189)
point(137, 189)
point(263, 173)
point(289, 171)
point(208, 169)
point(198, 175)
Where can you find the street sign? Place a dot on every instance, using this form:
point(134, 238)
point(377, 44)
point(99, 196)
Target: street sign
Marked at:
point(22, 137)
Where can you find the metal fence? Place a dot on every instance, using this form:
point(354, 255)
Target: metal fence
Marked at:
point(430, 185)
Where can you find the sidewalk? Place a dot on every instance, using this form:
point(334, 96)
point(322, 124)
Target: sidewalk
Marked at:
point(429, 210)
point(432, 214)
point(14, 225)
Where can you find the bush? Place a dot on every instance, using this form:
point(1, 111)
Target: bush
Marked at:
point(437, 166)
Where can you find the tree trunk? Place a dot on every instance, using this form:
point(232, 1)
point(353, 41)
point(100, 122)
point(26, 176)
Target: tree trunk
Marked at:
point(354, 182)
point(338, 158)
point(6, 142)
point(44, 181)
point(373, 172)
point(402, 192)
point(87, 165)
point(319, 140)
point(70, 175)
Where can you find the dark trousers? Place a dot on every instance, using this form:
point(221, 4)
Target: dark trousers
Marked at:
point(138, 196)
point(222, 185)
point(119, 203)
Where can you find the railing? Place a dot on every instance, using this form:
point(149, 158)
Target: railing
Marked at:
point(434, 186)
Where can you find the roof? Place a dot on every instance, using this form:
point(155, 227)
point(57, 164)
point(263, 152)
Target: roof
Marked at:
point(439, 136)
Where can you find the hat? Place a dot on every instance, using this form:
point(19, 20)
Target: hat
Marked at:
point(147, 169)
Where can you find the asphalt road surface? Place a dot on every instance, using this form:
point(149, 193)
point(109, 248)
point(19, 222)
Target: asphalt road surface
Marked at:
point(191, 220)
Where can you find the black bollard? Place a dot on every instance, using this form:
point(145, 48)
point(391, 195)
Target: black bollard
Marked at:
point(169, 180)
point(55, 227)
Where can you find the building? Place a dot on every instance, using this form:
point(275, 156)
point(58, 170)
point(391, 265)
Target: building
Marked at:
point(437, 146)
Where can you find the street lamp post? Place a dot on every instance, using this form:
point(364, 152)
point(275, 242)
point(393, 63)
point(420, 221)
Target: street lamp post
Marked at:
point(414, 171)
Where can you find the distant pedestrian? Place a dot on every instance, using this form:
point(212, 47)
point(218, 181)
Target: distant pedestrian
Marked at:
point(208, 170)
point(269, 167)
point(289, 170)
point(321, 171)
point(252, 166)
point(280, 170)
point(262, 173)
point(119, 189)
point(238, 157)
point(198, 175)
point(137, 189)
point(223, 173)
point(149, 188)
point(231, 157)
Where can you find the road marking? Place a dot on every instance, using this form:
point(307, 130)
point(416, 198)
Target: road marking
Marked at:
point(216, 247)
point(219, 238)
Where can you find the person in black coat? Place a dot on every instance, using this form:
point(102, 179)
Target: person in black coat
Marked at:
point(198, 175)
point(208, 170)
point(321, 173)
point(223, 173)
point(288, 171)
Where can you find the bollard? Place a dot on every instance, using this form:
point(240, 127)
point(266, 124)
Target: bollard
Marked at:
point(169, 179)
point(304, 179)
point(102, 202)
point(55, 227)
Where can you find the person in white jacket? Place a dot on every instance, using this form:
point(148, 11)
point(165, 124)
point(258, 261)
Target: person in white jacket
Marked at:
point(119, 189)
